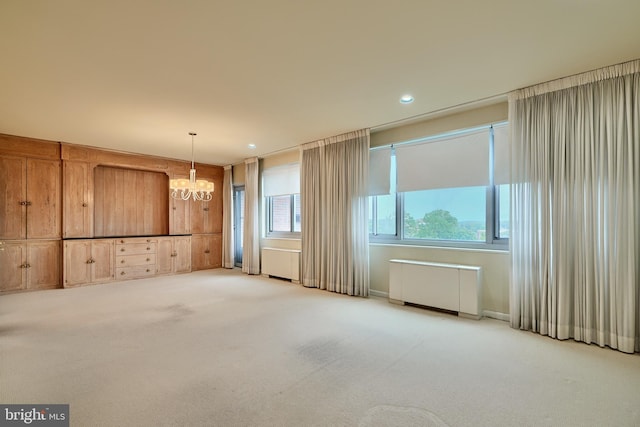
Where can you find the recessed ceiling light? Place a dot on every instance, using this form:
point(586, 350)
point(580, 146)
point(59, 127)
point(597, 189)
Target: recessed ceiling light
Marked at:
point(406, 99)
point(252, 146)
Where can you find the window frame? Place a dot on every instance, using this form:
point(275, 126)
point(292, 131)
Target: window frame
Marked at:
point(292, 234)
point(493, 240)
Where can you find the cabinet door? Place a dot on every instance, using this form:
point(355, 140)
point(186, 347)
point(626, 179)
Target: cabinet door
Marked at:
point(214, 255)
point(77, 262)
point(103, 257)
point(77, 199)
point(180, 216)
point(12, 272)
point(199, 211)
point(198, 255)
point(13, 195)
point(44, 210)
point(182, 251)
point(165, 255)
point(43, 258)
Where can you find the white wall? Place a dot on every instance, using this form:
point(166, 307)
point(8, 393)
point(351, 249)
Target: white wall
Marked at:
point(495, 263)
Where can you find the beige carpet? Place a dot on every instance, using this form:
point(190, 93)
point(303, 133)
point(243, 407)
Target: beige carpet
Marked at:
point(218, 348)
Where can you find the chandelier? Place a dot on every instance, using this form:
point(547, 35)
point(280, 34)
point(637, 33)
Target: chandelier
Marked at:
point(192, 188)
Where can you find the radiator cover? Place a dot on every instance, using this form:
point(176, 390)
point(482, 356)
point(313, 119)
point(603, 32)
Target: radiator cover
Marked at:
point(451, 287)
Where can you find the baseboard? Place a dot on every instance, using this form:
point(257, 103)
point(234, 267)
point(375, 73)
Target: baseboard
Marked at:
point(375, 293)
point(496, 315)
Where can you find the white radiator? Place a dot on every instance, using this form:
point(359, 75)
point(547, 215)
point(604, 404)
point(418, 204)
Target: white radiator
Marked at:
point(283, 263)
point(446, 286)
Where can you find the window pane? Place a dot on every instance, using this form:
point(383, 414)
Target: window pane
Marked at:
point(503, 210)
point(297, 225)
point(446, 214)
point(386, 220)
point(371, 202)
point(281, 213)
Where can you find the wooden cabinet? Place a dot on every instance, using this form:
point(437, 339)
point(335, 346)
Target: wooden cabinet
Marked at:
point(206, 217)
point(30, 192)
point(206, 251)
point(88, 261)
point(29, 265)
point(136, 258)
point(179, 216)
point(174, 255)
point(77, 180)
point(13, 194)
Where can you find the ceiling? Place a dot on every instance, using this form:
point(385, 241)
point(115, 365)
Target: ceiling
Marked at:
point(138, 75)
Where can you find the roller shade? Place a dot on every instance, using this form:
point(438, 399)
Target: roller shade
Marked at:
point(501, 155)
point(456, 161)
point(379, 171)
point(281, 180)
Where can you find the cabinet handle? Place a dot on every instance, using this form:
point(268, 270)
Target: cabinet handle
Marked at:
point(28, 203)
point(148, 259)
point(174, 208)
point(23, 203)
point(122, 241)
point(27, 265)
point(174, 254)
point(122, 273)
point(207, 251)
point(122, 262)
point(23, 265)
point(122, 250)
point(148, 270)
point(89, 261)
point(205, 209)
point(84, 204)
point(148, 248)
point(148, 241)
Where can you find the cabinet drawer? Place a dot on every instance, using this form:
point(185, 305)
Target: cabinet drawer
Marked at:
point(134, 260)
point(135, 248)
point(135, 272)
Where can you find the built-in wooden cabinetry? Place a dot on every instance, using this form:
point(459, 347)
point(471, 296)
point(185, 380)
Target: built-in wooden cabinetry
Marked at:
point(206, 251)
point(88, 261)
point(77, 181)
point(30, 193)
point(30, 214)
point(29, 265)
point(174, 255)
point(64, 208)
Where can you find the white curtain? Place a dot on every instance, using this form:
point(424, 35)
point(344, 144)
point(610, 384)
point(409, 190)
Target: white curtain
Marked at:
point(227, 218)
point(335, 240)
point(251, 236)
point(575, 207)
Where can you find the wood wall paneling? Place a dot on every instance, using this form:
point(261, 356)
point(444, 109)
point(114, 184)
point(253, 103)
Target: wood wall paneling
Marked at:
point(130, 202)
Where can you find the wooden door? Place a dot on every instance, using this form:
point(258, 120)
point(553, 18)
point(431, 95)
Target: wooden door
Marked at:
point(103, 257)
point(182, 251)
point(43, 258)
point(165, 255)
point(44, 207)
point(77, 199)
point(13, 196)
point(77, 262)
point(12, 271)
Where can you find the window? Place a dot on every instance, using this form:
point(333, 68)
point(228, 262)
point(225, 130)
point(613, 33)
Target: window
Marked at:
point(283, 213)
point(448, 190)
point(281, 188)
